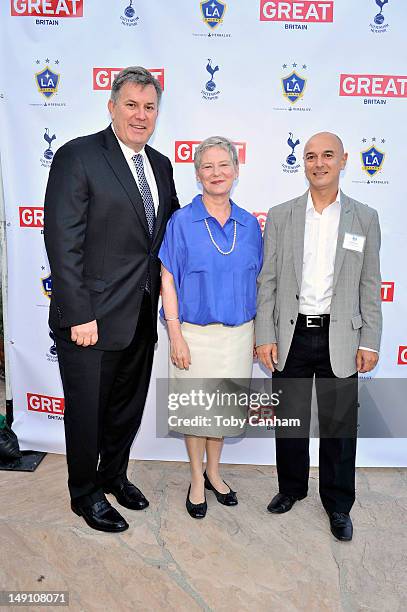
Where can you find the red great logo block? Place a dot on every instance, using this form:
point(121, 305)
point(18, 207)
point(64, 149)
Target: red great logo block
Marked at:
point(31, 216)
point(311, 12)
point(45, 403)
point(103, 77)
point(185, 151)
point(402, 358)
point(261, 218)
point(387, 291)
point(373, 85)
point(46, 8)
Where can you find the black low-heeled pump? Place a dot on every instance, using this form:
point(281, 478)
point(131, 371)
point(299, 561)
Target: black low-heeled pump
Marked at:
point(197, 511)
point(227, 499)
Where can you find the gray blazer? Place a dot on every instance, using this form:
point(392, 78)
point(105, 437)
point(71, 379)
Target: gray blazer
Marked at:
point(356, 318)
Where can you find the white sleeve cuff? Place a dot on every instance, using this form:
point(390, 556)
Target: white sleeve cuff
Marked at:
point(365, 348)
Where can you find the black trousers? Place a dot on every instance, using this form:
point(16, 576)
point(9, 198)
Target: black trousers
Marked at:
point(337, 416)
point(105, 393)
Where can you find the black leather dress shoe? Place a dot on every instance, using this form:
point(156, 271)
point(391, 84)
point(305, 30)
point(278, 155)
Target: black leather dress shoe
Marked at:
point(341, 526)
point(227, 499)
point(197, 511)
point(282, 503)
point(101, 516)
point(128, 495)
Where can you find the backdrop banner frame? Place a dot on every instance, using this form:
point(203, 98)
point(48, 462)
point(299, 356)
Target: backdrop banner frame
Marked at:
point(265, 77)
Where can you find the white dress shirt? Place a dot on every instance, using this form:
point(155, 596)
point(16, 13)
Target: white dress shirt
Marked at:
point(148, 171)
point(320, 240)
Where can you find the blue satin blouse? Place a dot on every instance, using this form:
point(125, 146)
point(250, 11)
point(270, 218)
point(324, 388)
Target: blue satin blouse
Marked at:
point(211, 287)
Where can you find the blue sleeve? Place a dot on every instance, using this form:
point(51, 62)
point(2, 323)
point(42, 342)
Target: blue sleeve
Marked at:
point(172, 251)
point(259, 245)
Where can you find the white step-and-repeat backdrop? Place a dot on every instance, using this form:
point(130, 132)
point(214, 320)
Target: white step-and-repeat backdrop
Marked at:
point(266, 74)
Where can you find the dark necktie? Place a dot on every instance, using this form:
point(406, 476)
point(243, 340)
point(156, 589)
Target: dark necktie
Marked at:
point(145, 192)
point(148, 202)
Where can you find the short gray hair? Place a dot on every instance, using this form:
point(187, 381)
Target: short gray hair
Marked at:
point(216, 141)
point(135, 74)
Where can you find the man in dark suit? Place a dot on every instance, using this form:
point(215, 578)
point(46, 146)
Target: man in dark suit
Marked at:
point(108, 200)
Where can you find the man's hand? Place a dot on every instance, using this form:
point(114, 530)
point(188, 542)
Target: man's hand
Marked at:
point(85, 334)
point(366, 360)
point(267, 354)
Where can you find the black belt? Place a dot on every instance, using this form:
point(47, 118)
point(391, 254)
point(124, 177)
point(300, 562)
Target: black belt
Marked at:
point(311, 321)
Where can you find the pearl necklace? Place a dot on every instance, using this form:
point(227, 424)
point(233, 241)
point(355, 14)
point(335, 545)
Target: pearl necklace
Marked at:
point(216, 245)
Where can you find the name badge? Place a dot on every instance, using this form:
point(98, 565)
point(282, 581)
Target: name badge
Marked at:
point(354, 242)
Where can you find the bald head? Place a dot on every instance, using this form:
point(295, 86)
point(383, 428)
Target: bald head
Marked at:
point(324, 158)
point(326, 137)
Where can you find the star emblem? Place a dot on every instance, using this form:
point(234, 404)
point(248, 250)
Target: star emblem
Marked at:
point(47, 61)
point(363, 139)
point(294, 65)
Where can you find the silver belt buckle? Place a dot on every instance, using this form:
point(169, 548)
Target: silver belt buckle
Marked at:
point(309, 320)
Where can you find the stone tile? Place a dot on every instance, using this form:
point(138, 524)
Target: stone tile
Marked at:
point(240, 558)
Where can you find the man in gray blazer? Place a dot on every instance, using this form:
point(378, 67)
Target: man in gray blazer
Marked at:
point(319, 314)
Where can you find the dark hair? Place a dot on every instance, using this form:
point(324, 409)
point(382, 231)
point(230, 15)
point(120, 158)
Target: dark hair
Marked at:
point(138, 75)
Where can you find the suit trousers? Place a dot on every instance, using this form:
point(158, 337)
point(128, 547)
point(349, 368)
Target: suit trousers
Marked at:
point(105, 393)
point(337, 416)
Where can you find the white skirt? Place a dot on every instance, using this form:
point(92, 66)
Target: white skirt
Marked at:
point(217, 352)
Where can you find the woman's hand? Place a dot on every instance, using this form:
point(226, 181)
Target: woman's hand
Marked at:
point(180, 355)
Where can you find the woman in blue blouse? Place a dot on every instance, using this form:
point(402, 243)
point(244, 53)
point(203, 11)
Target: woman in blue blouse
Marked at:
point(211, 256)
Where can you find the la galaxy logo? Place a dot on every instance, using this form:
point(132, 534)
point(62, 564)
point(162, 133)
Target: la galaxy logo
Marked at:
point(47, 82)
point(48, 153)
point(291, 166)
point(372, 160)
point(209, 92)
point(213, 12)
point(293, 85)
point(129, 17)
point(379, 26)
point(46, 284)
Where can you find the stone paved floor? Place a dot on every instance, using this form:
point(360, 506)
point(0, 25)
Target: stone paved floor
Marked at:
point(240, 558)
